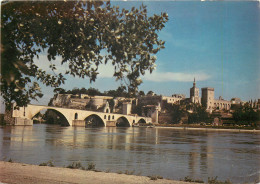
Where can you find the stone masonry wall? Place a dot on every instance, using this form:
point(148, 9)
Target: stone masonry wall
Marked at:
point(164, 118)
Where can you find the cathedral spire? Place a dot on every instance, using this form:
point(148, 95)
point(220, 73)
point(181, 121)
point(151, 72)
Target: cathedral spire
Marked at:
point(194, 83)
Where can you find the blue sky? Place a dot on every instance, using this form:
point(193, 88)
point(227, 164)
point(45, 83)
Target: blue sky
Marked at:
point(216, 42)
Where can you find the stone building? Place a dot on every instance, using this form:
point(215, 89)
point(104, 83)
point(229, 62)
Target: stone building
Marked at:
point(221, 104)
point(127, 108)
point(194, 94)
point(237, 101)
point(254, 104)
point(208, 100)
point(174, 99)
point(160, 99)
point(96, 103)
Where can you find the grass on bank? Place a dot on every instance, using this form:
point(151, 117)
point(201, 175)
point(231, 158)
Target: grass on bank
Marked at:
point(49, 163)
point(211, 180)
point(155, 177)
point(215, 181)
point(188, 179)
point(127, 172)
point(78, 165)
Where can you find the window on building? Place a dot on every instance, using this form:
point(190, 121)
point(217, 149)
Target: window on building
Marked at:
point(109, 117)
point(105, 117)
point(76, 115)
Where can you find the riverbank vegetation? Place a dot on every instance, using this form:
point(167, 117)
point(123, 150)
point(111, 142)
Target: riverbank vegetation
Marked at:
point(196, 116)
point(49, 163)
point(211, 180)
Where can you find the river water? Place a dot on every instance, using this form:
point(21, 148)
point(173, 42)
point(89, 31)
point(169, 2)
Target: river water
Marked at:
point(167, 152)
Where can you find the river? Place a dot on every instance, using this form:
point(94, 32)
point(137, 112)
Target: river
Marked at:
point(167, 152)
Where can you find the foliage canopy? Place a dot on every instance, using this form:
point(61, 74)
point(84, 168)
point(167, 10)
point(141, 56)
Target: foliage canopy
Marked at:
point(84, 34)
point(246, 115)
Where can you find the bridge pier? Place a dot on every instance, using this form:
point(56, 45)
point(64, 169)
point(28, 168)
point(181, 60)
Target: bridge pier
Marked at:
point(80, 123)
point(16, 120)
point(23, 121)
point(111, 124)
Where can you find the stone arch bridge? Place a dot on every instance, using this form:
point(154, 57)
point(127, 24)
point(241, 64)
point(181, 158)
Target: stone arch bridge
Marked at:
point(75, 117)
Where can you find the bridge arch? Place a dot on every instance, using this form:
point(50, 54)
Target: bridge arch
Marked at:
point(142, 121)
point(122, 122)
point(62, 119)
point(94, 120)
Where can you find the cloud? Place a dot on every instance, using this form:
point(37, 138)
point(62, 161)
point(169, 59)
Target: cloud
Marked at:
point(176, 76)
point(166, 35)
point(105, 70)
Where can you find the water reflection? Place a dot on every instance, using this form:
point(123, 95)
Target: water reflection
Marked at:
point(166, 152)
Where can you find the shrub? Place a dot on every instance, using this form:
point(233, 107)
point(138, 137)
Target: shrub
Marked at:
point(129, 172)
point(215, 181)
point(75, 165)
point(49, 163)
point(155, 177)
point(91, 166)
point(188, 179)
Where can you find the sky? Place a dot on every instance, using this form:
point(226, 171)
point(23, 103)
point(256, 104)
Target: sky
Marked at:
point(217, 42)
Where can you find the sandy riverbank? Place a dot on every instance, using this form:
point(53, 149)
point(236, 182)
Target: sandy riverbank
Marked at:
point(25, 173)
point(211, 129)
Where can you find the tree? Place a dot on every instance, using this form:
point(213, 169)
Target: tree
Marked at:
point(199, 114)
point(93, 92)
point(80, 32)
point(138, 109)
point(246, 115)
point(150, 93)
point(83, 91)
point(59, 91)
point(119, 92)
point(141, 93)
point(176, 111)
point(75, 91)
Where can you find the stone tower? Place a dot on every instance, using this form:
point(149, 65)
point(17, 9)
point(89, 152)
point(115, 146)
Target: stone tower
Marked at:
point(207, 98)
point(127, 108)
point(194, 93)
